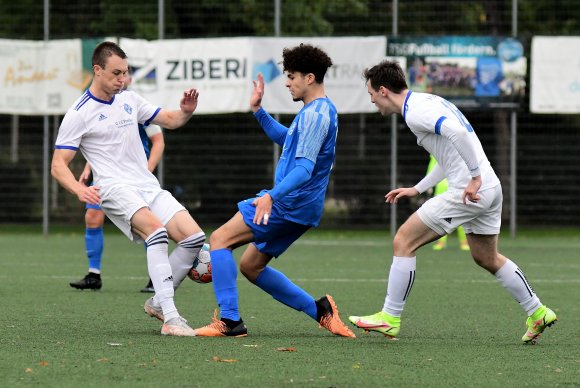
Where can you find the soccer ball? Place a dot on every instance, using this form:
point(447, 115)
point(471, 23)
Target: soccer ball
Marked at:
point(201, 270)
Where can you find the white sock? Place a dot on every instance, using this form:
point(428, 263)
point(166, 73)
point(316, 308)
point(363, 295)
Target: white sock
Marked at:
point(401, 279)
point(160, 272)
point(183, 255)
point(514, 280)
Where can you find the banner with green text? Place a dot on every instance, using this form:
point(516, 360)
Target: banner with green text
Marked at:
point(470, 70)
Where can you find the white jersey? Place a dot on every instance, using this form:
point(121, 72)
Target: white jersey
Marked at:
point(440, 128)
point(107, 134)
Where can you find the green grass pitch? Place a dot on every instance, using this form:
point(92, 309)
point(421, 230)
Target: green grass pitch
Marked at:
point(459, 328)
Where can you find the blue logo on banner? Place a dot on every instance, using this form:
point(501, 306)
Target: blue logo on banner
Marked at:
point(509, 50)
point(268, 69)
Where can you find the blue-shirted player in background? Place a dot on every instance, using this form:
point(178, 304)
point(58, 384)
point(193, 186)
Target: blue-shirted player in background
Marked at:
point(276, 218)
point(153, 144)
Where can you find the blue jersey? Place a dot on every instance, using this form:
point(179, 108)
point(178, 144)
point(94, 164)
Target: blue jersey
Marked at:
point(145, 140)
point(312, 135)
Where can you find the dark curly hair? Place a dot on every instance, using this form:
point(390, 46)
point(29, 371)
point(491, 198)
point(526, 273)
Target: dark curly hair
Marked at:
point(306, 59)
point(388, 74)
point(106, 50)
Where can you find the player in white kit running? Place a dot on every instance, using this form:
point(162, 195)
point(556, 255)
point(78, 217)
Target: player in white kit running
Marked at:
point(103, 125)
point(474, 200)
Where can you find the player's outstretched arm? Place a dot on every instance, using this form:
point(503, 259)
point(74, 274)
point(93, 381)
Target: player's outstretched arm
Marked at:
point(393, 196)
point(177, 118)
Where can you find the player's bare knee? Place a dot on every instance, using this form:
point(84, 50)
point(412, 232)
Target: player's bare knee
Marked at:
point(217, 240)
point(486, 262)
point(402, 246)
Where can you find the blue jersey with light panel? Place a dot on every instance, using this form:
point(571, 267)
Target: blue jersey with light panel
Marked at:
point(312, 135)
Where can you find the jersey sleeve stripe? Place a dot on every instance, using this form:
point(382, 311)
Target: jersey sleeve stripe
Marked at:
point(83, 101)
point(438, 125)
point(62, 147)
point(146, 123)
point(406, 106)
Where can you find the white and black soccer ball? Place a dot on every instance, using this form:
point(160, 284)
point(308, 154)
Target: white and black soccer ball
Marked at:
point(200, 272)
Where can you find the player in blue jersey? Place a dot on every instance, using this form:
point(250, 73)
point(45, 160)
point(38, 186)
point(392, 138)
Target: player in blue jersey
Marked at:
point(274, 219)
point(473, 199)
point(103, 125)
point(153, 145)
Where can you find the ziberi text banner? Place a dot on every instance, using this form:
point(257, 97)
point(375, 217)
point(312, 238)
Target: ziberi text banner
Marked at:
point(223, 70)
point(39, 78)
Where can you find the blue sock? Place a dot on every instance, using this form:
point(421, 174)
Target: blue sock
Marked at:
point(283, 290)
point(94, 247)
point(224, 274)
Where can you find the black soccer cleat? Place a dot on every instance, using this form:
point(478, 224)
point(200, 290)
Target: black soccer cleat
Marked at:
point(90, 282)
point(149, 287)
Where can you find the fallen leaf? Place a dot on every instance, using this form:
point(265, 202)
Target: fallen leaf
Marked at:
point(286, 349)
point(104, 359)
point(251, 346)
point(28, 370)
point(114, 344)
point(217, 359)
point(43, 363)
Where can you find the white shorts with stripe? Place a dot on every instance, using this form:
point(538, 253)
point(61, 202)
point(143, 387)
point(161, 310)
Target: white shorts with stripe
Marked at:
point(122, 202)
point(445, 212)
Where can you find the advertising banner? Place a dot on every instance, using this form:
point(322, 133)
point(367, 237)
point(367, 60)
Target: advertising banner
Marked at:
point(46, 78)
point(343, 83)
point(40, 77)
point(223, 71)
point(480, 71)
point(218, 68)
point(555, 75)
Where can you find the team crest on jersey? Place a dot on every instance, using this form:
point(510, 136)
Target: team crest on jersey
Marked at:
point(128, 109)
point(291, 130)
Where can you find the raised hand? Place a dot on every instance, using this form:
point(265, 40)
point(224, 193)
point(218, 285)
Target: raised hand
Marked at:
point(257, 94)
point(188, 102)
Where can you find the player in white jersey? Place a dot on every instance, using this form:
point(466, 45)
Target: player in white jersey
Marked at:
point(103, 124)
point(153, 145)
point(474, 200)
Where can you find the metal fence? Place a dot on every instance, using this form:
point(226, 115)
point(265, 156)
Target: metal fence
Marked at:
point(214, 161)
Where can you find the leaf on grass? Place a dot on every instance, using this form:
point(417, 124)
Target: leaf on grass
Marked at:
point(28, 370)
point(217, 359)
point(104, 359)
point(251, 346)
point(43, 363)
point(114, 344)
point(286, 349)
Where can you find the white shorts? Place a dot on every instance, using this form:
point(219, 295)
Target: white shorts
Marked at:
point(445, 212)
point(122, 202)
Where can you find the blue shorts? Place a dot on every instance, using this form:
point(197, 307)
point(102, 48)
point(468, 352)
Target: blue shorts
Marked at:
point(272, 239)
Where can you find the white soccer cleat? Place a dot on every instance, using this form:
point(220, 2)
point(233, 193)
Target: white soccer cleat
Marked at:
point(153, 310)
point(177, 327)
